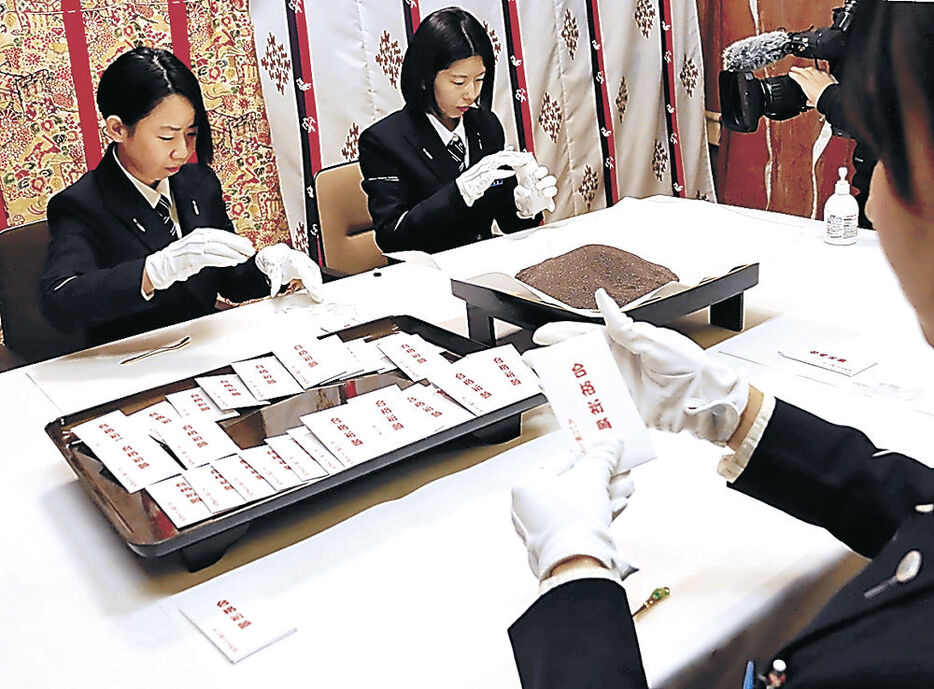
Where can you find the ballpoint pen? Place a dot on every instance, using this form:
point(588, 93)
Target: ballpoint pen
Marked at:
point(158, 350)
point(657, 596)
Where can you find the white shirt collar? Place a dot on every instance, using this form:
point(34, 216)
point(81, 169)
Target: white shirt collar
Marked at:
point(446, 134)
point(151, 195)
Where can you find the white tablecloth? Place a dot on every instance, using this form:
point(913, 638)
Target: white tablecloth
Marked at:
point(410, 578)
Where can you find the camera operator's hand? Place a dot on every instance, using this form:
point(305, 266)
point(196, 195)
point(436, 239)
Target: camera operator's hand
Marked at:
point(812, 81)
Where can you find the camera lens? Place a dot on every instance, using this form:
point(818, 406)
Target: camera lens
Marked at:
point(783, 98)
point(741, 101)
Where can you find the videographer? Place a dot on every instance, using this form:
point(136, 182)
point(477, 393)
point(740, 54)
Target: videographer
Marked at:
point(823, 92)
point(744, 99)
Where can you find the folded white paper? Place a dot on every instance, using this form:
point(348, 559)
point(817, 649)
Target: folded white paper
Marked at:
point(310, 444)
point(196, 441)
point(155, 418)
point(394, 417)
point(848, 358)
point(248, 481)
point(412, 354)
point(471, 385)
point(588, 395)
point(197, 403)
point(312, 361)
point(216, 491)
point(370, 356)
point(272, 467)
point(126, 449)
point(303, 464)
point(266, 378)
point(438, 407)
point(228, 392)
point(502, 369)
point(238, 628)
point(179, 500)
point(348, 432)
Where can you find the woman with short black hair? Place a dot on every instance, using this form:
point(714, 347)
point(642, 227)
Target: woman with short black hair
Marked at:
point(435, 172)
point(144, 240)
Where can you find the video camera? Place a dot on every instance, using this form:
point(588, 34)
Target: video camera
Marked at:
point(744, 99)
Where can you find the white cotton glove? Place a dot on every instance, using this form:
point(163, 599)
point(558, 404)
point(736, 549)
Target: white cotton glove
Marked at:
point(535, 190)
point(562, 515)
point(475, 180)
point(282, 264)
point(675, 385)
point(205, 247)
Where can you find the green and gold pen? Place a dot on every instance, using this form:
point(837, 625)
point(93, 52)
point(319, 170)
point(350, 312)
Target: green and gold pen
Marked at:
point(657, 596)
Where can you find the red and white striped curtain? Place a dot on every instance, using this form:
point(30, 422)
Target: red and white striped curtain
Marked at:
point(608, 94)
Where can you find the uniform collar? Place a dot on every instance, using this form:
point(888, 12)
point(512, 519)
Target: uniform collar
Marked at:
point(446, 134)
point(152, 195)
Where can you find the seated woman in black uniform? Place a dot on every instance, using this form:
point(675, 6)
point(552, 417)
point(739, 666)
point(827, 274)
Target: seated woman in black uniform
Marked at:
point(435, 172)
point(144, 240)
point(876, 631)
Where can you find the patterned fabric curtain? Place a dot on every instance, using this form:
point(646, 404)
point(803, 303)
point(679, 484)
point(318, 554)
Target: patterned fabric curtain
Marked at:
point(52, 53)
point(608, 94)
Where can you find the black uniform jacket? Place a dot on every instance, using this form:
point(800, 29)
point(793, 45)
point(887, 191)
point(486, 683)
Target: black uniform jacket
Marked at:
point(407, 170)
point(102, 230)
point(581, 635)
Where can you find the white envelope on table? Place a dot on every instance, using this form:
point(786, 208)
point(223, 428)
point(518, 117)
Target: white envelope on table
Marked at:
point(412, 354)
point(398, 423)
point(443, 412)
point(179, 500)
point(310, 444)
point(502, 368)
point(217, 492)
point(272, 467)
point(312, 361)
point(196, 402)
point(237, 627)
point(156, 418)
point(228, 392)
point(242, 476)
point(266, 378)
point(303, 464)
point(125, 448)
point(348, 432)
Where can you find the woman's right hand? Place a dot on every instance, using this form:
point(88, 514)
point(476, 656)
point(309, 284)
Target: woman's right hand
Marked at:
point(205, 247)
point(674, 383)
point(812, 81)
point(475, 180)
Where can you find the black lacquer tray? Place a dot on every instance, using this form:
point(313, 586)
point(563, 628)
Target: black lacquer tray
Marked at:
point(487, 300)
point(146, 529)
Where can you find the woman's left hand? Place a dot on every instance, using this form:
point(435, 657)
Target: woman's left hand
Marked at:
point(535, 190)
point(282, 264)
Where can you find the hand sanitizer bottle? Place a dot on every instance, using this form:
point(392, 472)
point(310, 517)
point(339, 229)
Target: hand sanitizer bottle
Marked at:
point(841, 213)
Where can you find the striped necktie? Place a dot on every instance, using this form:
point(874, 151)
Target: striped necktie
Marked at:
point(458, 152)
point(163, 209)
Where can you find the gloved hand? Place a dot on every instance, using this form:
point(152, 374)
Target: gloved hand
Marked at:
point(205, 247)
point(561, 515)
point(675, 385)
point(475, 180)
point(535, 190)
point(281, 264)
